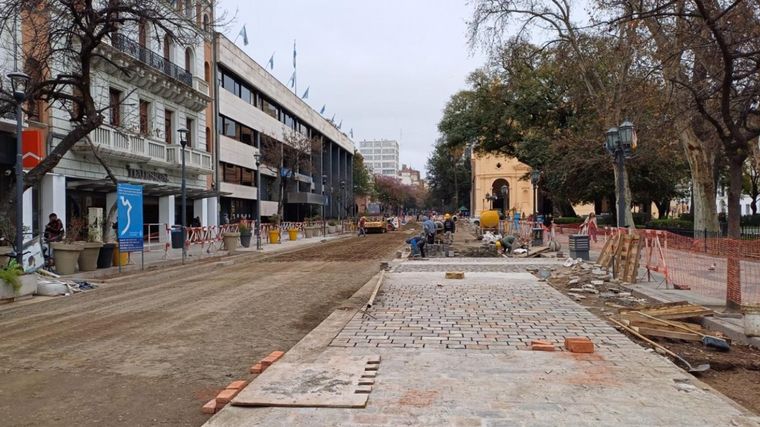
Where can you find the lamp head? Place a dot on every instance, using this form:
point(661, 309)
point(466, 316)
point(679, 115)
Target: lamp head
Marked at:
point(535, 176)
point(628, 138)
point(19, 84)
point(504, 190)
point(612, 140)
point(183, 136)
point(257, 158)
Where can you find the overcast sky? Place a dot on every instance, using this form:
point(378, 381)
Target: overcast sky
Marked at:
point(386, 68)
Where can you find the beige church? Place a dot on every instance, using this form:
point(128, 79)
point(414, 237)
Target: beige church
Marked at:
point(489, 174)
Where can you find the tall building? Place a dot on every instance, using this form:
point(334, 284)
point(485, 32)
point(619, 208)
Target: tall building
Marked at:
point(381, 157)
point(258, 115)
point(168, 87)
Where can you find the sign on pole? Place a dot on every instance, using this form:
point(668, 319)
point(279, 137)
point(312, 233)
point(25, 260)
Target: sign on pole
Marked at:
point(129, 199)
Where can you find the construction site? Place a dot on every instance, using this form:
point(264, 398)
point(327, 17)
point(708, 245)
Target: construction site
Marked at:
point(355, 330)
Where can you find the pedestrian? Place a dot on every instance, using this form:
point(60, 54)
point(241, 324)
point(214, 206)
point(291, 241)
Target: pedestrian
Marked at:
point(54, 229)
point(590, 226)
point(449, 228)
point(362, 226)
point(507, 243)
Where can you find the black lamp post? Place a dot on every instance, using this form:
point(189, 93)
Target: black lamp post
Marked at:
point(19, 83)
point(257, 159)
point(535, 176)
point(621, 143)
point(341, 197)
point(324, 202)
point(183, 143)
point(490, 200)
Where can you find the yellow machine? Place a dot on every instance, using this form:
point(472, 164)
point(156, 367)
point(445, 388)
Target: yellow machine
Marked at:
point(489, 221)
point(376, 225)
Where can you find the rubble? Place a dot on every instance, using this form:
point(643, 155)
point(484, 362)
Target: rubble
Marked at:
point(584, 279)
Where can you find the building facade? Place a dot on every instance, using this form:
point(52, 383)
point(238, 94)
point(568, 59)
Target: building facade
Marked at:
point(489, 174)
point(168, 88)
point(258, 115)
point(409, 176)
point(381, 157)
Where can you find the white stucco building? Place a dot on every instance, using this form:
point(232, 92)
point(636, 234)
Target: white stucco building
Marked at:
point(381, 157)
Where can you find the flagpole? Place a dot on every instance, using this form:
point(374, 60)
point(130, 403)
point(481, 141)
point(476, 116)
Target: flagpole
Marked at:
point(295, 72)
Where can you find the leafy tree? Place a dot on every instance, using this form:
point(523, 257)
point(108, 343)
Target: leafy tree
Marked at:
point(362, 179)
point(449, 176)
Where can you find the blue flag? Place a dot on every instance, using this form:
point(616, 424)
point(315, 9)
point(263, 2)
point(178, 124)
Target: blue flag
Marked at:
point(306, 94)
point(333, 118)
point(322, 111)
point(271, 62)
point(292, 80)
point(352, 132)
point(244, 34)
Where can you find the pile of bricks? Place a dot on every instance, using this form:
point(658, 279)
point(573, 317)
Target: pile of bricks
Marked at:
point(228, 393)
point(572, 344)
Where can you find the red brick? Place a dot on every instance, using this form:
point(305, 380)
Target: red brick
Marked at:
point(226, 395)
point(579, 345)
point(540, 342)
point(211, 407)
point(238, 385)
point(257, 368)
point(542, 347)
point(273, 357)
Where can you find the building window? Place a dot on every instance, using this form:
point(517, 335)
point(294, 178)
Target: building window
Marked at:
point(205, 22)
point(114, 106)
point(142, 33)
point(167, 48)
point(188, 8)
point(189, 60)
point(190, 125)
point(208, 139)
point(168, 128)
point(270, 109)
point(207, 72)
point(144, 117)
point(239, 175)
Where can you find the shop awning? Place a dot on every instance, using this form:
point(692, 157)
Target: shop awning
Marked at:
point(149, 189)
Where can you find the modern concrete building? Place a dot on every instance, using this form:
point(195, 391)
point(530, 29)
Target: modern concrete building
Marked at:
point(260, 115)
point(381, 157)
point(168, 88)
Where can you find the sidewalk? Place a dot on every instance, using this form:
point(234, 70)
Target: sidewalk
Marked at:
point(455, 352)
point(155, 258)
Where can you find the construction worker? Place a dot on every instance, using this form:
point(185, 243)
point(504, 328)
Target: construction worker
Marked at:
point(449, 228)
point(362, 226)
point(507, 242)
point(417, 245)
point(429, 227)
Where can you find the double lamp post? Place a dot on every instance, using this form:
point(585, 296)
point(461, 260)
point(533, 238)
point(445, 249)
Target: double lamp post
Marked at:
point(19, 83)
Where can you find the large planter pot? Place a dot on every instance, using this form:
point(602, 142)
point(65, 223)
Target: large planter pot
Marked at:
point(28, 287)
point(231, 241)
point(293, 234)
point(88, 258)
point(332, 229)
point(66, 257)
point(245, 239)
point(308, 232)
point(105, 255)
point(274, 236)
point(4, 252)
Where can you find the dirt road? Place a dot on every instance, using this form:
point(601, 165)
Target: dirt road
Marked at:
point(152, 349)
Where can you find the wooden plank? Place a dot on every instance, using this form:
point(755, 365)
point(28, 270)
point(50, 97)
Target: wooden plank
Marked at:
point(664, 333)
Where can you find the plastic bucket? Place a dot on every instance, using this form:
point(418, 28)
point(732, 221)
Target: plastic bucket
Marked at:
point(293, 234)
point(124, 257)
point(274, 236)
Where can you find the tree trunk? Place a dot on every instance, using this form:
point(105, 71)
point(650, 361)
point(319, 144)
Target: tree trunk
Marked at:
point(735, 182)
point(701, 160)
point(627, 191)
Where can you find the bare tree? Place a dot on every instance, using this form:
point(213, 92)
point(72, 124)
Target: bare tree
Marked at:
point(294, 156)
point(63, 41)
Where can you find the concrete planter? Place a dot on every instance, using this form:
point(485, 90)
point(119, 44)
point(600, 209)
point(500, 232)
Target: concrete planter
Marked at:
point(66, 257)
point(88, 258)
point(751, 320)
point(308, 232)
point(231, 241)
point(28, 287)
point(332, 229)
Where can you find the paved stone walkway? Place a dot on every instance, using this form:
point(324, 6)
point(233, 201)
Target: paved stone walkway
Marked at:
point(454, 352)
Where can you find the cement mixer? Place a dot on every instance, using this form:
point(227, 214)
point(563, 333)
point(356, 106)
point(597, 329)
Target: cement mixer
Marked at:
point(489, 221)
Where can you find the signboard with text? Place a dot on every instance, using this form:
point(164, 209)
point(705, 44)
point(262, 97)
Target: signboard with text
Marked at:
point(129, 201)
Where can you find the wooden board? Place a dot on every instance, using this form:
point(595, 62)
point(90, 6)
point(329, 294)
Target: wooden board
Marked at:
point(608, 251)
point(668, 311)
point(666, 333)
point(332, 383)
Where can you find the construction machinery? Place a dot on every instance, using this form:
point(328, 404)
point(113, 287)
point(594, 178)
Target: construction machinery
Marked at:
point(376, 225)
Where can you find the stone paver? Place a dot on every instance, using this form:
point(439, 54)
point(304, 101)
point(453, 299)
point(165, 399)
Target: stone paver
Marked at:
point(454, 353)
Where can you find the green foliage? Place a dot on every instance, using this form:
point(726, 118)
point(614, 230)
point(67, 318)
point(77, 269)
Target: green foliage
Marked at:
point(363, 185)
point(448, 176)
point(10, 275)
point(244, 228)
point(669, 223)
point(641, 218)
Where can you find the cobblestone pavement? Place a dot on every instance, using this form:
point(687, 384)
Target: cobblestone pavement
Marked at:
point(454, 353)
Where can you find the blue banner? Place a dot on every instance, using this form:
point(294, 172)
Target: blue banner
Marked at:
point(129, 202)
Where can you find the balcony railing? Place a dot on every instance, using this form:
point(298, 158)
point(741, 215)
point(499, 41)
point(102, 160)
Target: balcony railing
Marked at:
point(150, 58)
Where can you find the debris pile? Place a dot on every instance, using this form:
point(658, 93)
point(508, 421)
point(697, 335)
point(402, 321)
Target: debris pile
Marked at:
point(582, 280)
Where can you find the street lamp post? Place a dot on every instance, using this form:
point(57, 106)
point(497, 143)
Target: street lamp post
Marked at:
point(183, 143)
point(342, 199)
point(257, 158)
point(621, 143)
point(504, 193)
point(488, 197)
point(19, 82)
point(324, 202)
point(535, 176)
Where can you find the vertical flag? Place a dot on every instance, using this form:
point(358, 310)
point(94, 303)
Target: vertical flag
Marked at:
point(243, 33)
point(306, 94)
point(271, 62)
point(340, 124)
point(294, 54)
point(352, 132)
point(292, 80)
point(333, 118)
point(322, 111)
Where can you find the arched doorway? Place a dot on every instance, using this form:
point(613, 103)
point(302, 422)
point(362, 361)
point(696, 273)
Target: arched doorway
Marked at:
point(501, 203)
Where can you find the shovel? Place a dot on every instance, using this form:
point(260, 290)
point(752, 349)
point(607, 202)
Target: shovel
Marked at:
point(692, 369)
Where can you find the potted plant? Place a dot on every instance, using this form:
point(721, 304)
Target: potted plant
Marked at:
point(274, 234)
point(245, 234)
point(332, 226)
point(66, 253)
point(88, 258)
point(14, 283)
